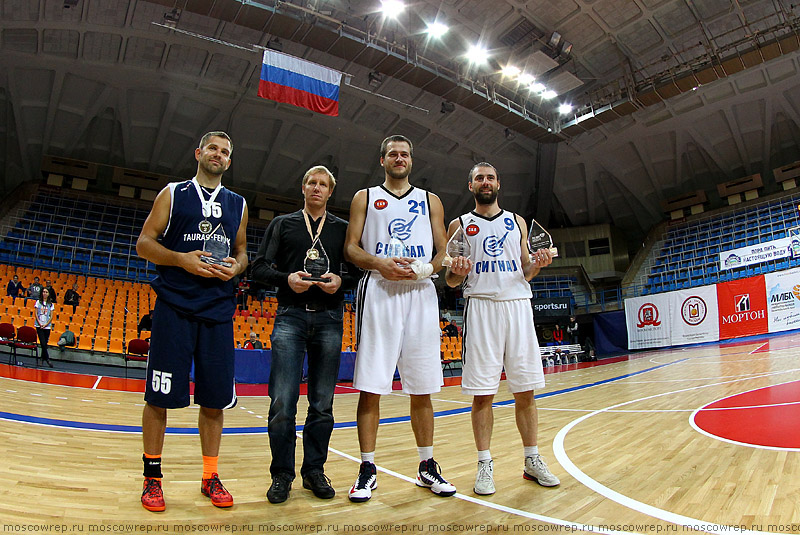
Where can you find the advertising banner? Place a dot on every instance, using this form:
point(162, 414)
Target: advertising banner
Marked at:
point(761, 252)
point(742, 307)
point(694, 315)
point(648, 321)
point(553, 307)
point(783, 300)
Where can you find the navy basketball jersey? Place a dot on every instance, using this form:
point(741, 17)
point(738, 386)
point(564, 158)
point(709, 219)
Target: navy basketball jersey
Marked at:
point(208, 299)
point(496, 257)
point(407, 218)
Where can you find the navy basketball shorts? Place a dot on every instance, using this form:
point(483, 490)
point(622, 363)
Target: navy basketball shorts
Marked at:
point(177, 341)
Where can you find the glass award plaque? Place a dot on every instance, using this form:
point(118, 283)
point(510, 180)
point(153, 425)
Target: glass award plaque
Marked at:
point(316, 262)
point(457, 245)
point(397, 247)
point(216, 243)
point(539, 238)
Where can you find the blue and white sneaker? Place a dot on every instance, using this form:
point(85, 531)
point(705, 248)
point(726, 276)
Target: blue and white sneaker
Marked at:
point(429, 477)
point(366, 482)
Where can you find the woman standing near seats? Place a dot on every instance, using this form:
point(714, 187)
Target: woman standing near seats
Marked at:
point(44, 321)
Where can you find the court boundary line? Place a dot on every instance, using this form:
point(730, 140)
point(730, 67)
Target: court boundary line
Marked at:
point(117, 428)
point(560, 452)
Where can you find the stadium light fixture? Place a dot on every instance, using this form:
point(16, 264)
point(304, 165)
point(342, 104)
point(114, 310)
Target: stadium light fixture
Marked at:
point(437, 30)
point(392, 8)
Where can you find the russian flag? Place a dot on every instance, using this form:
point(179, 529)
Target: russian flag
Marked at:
point(292, 80)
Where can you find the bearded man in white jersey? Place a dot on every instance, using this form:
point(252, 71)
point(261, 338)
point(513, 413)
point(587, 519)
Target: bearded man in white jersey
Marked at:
point(498, 327)
point(394, 231)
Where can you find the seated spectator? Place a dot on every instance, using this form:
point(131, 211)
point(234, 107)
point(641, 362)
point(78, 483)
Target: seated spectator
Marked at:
point(67, 338)
point(15, 288)
point(348, 349)
point(451, 329)
point(253, 342)
point(559, 357)
point(558, 335)
point(35, 289)
point(52, 291)
point(145, 324)
point(238, 344)
point(72, 297)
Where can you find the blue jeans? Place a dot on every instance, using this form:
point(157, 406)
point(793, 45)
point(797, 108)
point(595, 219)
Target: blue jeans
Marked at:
point(295, 332)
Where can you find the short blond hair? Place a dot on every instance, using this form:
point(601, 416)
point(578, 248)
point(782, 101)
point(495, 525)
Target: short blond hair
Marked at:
point(320, 169)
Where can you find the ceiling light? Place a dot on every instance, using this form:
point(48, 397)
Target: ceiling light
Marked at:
point(375, 79)
point(526, 79)
point(477, 54)
point(547, 95)
point(392, 8)
point(564, 109)
point(510, 71)
point(437, 30)
point(171, 18)
point(537, 88)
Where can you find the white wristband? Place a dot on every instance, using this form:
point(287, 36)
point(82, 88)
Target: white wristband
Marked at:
point(422, 271)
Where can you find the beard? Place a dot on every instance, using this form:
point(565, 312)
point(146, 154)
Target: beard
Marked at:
point(399, 172)
point(485, 197)
point(212, 168)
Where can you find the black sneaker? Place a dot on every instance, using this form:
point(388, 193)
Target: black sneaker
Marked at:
point(317, 482)
point(366, 482)
point(279, 490)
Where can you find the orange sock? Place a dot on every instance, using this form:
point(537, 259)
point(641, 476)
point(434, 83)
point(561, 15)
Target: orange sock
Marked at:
point(209, 466)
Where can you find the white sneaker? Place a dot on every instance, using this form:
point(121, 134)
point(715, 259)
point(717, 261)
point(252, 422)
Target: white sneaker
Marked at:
point(366, 482)
point(484, 482)
point(428, 476)
point(536, 470)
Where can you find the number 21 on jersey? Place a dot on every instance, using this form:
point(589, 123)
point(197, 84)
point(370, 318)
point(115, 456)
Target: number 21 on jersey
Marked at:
point(416, 207)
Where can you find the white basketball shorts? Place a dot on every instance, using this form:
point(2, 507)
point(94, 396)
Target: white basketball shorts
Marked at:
point(398, 327)
point(497, 335)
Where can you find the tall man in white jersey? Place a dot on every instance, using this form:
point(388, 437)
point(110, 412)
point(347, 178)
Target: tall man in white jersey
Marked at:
point(394, 230)
point(498, 323)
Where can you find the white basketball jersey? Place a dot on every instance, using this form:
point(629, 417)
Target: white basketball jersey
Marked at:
point(407, 218)
point(495, 253)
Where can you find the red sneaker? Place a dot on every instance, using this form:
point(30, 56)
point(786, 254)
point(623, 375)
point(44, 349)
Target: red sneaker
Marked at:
point(152, 496)
point(213, 488)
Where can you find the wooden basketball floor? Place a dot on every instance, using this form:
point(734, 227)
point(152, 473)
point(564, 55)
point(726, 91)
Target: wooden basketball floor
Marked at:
point(704, 438)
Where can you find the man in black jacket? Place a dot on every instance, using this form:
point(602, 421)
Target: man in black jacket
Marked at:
point(302, 255)
point(72, 297)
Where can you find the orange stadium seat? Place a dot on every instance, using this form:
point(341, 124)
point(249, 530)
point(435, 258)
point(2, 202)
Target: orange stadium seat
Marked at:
point(85, 342)
point(115, 346)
